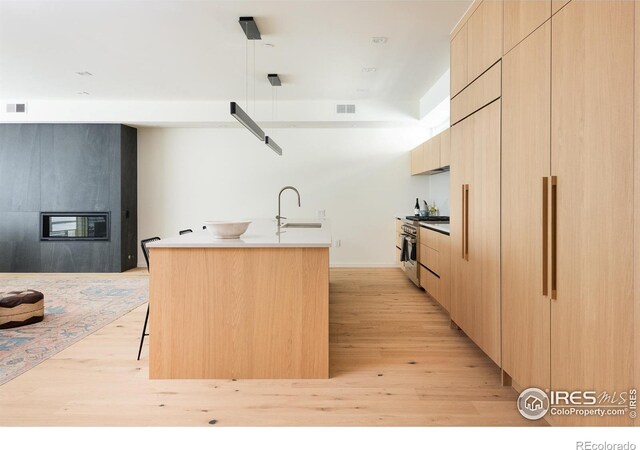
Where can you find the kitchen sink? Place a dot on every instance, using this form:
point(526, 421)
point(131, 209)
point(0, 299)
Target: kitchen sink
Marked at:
point(302, 225)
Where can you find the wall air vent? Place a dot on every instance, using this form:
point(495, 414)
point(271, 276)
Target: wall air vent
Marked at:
point(346, 109)
point(16, 108)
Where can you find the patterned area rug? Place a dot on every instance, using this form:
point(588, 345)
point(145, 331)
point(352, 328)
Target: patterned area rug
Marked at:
point(74, 308)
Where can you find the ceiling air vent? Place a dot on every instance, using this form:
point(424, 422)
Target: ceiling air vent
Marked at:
point(346, 109)
point(17, 108)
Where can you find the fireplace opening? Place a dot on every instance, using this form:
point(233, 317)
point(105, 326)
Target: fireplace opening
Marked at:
point(63, 226)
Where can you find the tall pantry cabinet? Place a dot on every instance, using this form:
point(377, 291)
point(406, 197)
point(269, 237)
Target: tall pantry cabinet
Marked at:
point(569, 228)
point(526, 168)
point(475, 254)
point(475, 176)
point(592, 73)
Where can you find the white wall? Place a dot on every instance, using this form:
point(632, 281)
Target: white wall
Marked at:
point(360, 176)
point(438, 191)
point(435, 95)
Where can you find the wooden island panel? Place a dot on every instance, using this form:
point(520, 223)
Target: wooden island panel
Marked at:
point(239, 313)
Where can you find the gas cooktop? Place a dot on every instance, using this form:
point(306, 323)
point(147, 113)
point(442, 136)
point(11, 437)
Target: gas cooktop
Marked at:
point(428, 218)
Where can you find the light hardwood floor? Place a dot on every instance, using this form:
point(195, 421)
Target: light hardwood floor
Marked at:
point(394, 361)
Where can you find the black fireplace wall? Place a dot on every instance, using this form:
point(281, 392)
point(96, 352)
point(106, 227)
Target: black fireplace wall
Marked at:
point(67, 168)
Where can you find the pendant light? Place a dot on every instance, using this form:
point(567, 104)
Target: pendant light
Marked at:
point(252, 33)
point(250, 29)
point(242, 117)
point(275, 81)
point(272, 145)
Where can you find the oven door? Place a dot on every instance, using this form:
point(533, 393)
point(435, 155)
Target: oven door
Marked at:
point(411, 265)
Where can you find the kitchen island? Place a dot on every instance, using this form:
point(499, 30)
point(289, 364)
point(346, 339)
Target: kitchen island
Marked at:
point(254, 307)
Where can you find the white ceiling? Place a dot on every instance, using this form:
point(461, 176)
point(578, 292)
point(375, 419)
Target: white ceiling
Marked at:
point(195, 50)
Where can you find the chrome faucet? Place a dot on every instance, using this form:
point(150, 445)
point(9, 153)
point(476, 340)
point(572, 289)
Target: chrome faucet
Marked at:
point(279, 217)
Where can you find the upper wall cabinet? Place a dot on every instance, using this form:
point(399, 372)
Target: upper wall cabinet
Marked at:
point(445, 148)
point(459, 75)
point(432, 155)
point(484, 33)
point(417, 160)
point(521, 18)
point(476, 43)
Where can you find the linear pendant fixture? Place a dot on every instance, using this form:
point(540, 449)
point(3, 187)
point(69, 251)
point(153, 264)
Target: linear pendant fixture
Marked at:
point(272, 145)
point(274, 79)
point(245, 120)
point(250, 28)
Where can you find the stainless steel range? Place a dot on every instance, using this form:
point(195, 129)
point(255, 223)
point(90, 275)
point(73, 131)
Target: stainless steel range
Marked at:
point(409, 255)
point(410, 245)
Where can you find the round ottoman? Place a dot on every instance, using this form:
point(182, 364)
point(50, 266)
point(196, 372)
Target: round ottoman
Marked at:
point(18, 308)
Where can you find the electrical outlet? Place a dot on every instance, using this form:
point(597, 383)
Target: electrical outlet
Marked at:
point(320, 213)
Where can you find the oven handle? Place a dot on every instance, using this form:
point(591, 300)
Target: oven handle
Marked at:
point(409, 237)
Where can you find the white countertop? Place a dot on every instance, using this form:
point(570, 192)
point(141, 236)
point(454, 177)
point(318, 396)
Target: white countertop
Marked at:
point(442, 227)
point(437, 226)
point(261, 233)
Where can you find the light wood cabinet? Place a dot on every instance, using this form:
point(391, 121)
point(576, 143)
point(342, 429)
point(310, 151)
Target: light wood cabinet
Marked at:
point(435, 273)
point(430, 258)
point(481, 92)
point(475, 228)
point(526, 159)
point(445, 148)
point(568, 148)
point(463, 283)
point(592, 325)
point(458, 74)
point(444, 294)
point(432, 154)
point(521, 18)
point(484, 37)
point(636, 159)
point(430, 282)
point(427, 157)
point(541, 255)
point(398, 240)
point(557, 4)
point(429, 238)
point(417, 160)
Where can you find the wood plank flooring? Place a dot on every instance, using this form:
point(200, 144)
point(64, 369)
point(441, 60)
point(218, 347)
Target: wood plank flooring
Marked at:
point(394, 362)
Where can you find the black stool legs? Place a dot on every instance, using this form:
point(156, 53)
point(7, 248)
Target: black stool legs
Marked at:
point(144, 333)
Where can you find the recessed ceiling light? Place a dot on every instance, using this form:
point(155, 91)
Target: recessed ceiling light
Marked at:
point(379, 40)
point(269, 45)
point(85, 74)
point(368, 69)
point(82, 93)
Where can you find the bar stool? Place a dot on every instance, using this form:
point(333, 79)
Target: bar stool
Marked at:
point(145, 252)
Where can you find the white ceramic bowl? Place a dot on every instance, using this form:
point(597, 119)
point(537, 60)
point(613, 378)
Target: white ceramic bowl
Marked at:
point(227, 229)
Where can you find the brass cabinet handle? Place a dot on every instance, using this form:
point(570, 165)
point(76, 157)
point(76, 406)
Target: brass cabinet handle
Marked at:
point(545, 236)
point(554, 237)
point(466, 222)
